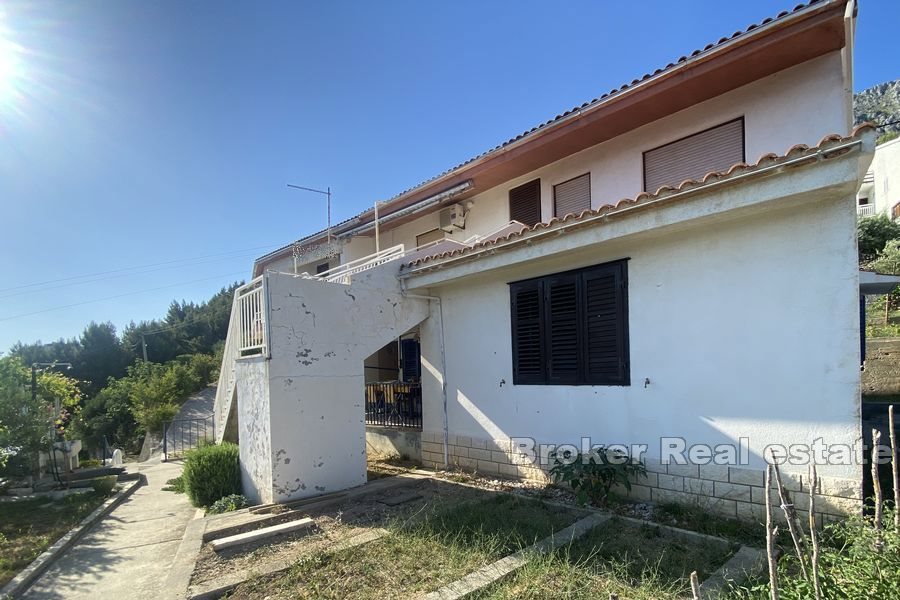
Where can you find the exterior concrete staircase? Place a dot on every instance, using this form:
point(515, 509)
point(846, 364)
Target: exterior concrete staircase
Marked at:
point(291, 388)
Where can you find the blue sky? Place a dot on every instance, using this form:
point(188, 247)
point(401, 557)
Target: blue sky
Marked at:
point(150, 143)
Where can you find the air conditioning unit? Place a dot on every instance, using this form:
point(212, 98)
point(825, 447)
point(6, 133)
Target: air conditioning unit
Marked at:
point(453, 217)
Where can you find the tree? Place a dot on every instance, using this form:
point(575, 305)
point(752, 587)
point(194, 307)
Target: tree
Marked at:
point(25, 417)
point(888, 261)
point(102, 356)
point(874, 233)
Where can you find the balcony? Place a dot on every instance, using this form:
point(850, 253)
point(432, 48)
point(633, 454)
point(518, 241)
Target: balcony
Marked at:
point(865, 210)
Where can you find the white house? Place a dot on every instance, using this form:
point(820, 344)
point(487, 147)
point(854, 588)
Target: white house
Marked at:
point(671, 266)
point(880, 190)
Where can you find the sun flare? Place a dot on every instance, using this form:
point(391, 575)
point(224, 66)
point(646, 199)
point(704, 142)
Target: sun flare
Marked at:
point(12, 67)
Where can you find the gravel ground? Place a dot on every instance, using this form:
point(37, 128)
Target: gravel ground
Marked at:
point(335, 523)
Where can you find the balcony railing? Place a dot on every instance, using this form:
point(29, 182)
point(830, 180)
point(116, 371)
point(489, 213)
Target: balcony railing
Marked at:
point(344, 272)
point(247, 336)
point(394, 404)
point(865, 210)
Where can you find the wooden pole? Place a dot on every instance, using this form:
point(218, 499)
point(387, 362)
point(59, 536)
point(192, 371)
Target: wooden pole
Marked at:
point(770, 540)
point(695, 586)
point(876, 484)
point(813, 536)
point(895, 468)
point(790, 514)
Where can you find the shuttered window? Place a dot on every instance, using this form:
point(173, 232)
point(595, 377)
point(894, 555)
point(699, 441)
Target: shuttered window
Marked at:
point(429, 236)
point(572, 328)
point(713, 150)
point(525, 203)
point(573, 196)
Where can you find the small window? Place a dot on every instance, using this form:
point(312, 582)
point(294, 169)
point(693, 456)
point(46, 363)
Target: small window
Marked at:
point(525, 203)
point(572, 328)
point(322, 268)
point(716, 149)
point(863, 201)
point(572, 196)
point(429, 236)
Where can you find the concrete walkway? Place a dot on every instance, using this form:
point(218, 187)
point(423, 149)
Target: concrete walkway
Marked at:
point(129, 552)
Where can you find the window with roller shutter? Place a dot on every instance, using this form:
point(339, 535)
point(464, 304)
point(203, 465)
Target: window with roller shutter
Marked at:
point(572, 328)
point(572, 196)
point(525, 203)
point(713, 150)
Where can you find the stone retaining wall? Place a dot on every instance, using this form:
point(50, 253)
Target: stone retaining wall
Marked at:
point(727, 491)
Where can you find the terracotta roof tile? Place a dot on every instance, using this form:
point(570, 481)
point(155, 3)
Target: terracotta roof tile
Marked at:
point(544, 125)
point(764, 160)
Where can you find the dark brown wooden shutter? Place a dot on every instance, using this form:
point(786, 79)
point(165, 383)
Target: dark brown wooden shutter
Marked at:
point(713, 150)
point(573, 196)
point(561, 306)
point(606, 325)
point(525, 203)
point(527, 332)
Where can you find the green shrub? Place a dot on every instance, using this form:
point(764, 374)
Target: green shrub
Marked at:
point(850, 567)
point(593, 476)
point(212, 472)
point(874, 233)
point(228, 504)
point(153, 417)
point(175, 485)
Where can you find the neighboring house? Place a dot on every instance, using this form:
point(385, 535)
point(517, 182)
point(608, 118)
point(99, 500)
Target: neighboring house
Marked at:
point(671, 263)
point(880, 191)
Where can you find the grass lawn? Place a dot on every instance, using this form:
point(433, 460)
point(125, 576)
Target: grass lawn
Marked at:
point(29, 527)
point(637, 562)
point(431, 550)
point(876, 326)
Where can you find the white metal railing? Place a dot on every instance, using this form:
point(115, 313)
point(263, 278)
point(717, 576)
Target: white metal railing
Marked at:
point(250, 302)
point(247, 336)
point(865, 210)
point(344, 272)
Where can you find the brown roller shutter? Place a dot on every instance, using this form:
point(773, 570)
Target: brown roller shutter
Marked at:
point(715, 149)
point(573, 196)
point(525, 203)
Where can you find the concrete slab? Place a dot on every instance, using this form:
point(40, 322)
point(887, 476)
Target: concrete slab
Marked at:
point(231, 580)
point(260, 534)
point(494, 571)
point(745, 563)
point(127, 554)
point(401, 499)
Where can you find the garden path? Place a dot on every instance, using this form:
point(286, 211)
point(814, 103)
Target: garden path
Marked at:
point(128, 553)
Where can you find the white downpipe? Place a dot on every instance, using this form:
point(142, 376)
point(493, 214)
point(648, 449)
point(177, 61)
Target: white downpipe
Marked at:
point(443, 369)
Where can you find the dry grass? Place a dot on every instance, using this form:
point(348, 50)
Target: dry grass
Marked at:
point(29, 527)
point(635, 562)
point(418, 555)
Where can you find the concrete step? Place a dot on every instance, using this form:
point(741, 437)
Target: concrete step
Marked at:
point(260, 534)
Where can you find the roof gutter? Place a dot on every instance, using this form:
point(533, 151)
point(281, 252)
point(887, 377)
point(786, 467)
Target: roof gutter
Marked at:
point(527, 239)
point(418, 207)
point(635, 86)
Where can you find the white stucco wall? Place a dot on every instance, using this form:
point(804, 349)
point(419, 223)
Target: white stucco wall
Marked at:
point(795, 106)
point(302, 430)
point(884, 191)
point(746, 327)
point(254, 428)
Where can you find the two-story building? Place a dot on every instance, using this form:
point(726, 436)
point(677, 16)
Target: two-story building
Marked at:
point(880, 190)
point(671, 266)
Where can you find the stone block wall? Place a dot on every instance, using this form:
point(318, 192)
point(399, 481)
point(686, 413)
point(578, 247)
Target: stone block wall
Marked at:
point(734, 492)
